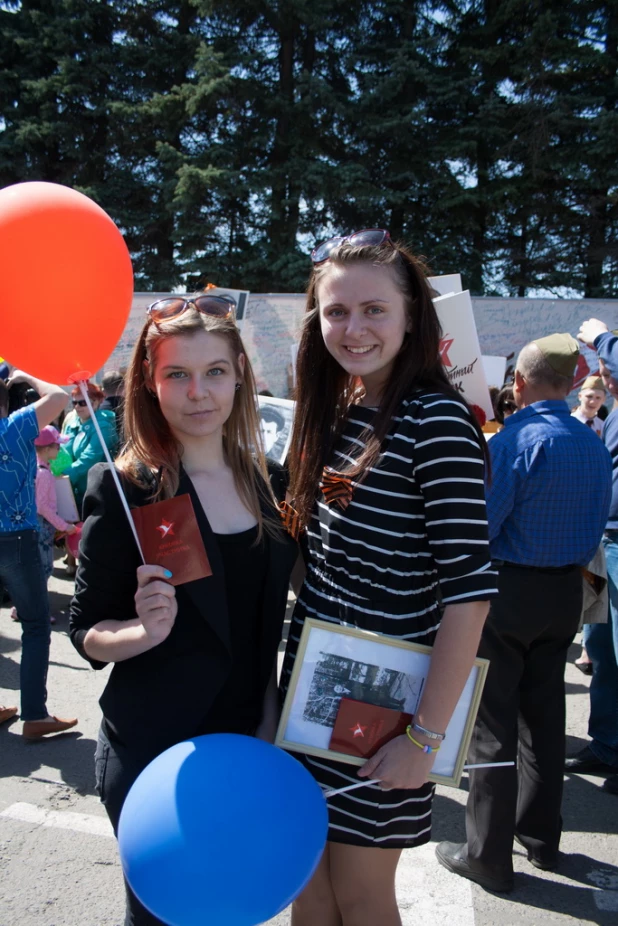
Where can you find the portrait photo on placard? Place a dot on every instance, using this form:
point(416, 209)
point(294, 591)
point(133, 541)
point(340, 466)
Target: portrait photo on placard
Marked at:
point(276, 426)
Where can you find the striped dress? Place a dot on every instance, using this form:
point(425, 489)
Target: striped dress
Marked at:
point(416, 521)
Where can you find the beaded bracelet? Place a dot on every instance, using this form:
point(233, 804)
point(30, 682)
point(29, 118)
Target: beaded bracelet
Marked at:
point(426, 749)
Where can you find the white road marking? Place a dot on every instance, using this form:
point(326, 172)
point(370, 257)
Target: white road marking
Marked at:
point(64, 820)
point(418, 870)
point(420, 879)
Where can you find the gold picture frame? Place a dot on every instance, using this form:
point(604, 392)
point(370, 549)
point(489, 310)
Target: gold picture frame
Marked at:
point(334, 661)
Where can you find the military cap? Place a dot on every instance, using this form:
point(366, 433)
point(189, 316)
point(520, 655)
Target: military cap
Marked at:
point(593, 382)
point(560, 351)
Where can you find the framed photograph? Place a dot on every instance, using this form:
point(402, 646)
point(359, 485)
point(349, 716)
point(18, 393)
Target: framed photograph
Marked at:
point(336, 662)
point(276, 424)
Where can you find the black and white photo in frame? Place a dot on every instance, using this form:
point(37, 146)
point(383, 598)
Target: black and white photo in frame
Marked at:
point(335, 662)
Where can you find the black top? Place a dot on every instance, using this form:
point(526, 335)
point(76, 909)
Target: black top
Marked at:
point(238, 706)
point(162, 696)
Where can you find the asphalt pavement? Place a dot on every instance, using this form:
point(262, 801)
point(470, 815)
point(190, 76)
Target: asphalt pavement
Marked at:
point(58, 858)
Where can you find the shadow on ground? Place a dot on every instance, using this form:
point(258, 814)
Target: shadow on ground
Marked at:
point(582, 888)
point(69, 752)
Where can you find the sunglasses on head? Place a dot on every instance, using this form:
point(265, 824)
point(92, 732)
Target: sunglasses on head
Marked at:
point(217, 306)
point(372, 237)
point(81, 402)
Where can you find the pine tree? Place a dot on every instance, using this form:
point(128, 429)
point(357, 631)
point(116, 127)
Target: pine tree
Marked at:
point(56, 72)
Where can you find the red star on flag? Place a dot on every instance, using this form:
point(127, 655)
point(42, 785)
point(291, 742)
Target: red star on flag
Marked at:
point(358, 730)
point(166, 528)
point(445, 345)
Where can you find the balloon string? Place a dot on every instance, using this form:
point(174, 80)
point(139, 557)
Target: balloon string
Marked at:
point(360, 784)
point(125, 505)
point(376, 781)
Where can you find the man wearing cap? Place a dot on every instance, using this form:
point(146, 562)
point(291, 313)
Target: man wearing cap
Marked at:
point(600, 755)
point(545, 522)
point(21, 571)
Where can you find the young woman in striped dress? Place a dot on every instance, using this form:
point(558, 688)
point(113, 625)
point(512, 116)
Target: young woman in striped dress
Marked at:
point(387, 468)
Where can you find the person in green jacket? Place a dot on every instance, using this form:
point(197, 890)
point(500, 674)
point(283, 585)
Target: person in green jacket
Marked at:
point(84, 447)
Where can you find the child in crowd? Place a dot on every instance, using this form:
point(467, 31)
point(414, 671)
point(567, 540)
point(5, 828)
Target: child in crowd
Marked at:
point(591, 397)
point(47, 445)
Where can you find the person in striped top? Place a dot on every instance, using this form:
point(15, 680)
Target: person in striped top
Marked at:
point(387, 477)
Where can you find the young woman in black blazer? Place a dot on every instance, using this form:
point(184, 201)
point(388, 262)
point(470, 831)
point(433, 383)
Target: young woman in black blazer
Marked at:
point(201, 657)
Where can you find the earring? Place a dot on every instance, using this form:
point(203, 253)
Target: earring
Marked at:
point(237, 387)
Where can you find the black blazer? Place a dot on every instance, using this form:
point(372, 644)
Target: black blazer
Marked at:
point(159, 698)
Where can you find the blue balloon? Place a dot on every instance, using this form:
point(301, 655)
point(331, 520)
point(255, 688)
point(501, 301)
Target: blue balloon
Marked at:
point(224, 830)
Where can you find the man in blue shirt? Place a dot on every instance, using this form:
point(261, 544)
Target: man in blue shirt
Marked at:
point(601, 640)
point(547, 503)
point(21, 570)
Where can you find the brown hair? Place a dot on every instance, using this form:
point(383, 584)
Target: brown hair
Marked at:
point(325, 391)
point(152, 448)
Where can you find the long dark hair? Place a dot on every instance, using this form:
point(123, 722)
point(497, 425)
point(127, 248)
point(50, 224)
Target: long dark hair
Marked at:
point(324, 390)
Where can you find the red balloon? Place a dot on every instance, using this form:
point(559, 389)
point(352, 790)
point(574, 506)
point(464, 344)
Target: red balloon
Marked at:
point(66, 282)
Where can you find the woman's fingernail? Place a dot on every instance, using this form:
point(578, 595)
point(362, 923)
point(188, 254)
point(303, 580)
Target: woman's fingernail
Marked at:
point(168, 574)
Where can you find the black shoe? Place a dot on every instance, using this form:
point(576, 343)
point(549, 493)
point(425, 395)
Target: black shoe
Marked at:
point(543, 864)
point(453, 855)
point(585, 761)
point(611, 784)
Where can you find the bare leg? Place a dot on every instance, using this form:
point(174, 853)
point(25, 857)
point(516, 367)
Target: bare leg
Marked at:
point(584, 659)
point(363, 880)
point(316, 906)
point(71, 567)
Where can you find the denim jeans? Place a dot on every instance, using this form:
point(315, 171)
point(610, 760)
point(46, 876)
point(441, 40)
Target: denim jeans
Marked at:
point(22, 574)
point(47, 532)
point(601, 642)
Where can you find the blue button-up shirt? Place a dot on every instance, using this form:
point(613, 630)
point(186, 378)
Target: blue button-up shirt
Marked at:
point(18, 471)
point(550, 488)
point(607, 346)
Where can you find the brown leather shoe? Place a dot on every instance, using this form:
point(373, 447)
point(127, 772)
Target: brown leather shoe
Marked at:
point(6, 713)
point(35, 729)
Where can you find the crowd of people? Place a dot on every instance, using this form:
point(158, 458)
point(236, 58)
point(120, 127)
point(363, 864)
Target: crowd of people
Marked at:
point(31, 413)
point(395, 514)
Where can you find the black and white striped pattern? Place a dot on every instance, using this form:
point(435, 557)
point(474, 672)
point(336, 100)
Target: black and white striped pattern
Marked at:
point(416, 523)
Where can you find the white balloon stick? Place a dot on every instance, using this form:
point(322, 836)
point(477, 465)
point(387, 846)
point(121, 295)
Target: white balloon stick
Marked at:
point(360, 784)
point(84, 391)
point(376, 781)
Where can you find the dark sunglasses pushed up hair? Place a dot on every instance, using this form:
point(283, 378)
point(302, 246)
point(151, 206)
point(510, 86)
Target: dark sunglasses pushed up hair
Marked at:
point(367, 237)
point(216, 306)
